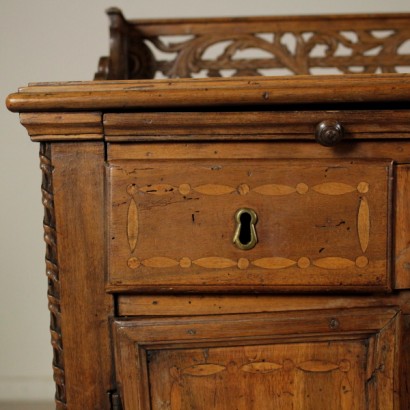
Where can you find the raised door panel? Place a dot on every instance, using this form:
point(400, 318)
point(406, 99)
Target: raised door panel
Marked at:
point(294, 360)
point(320, 225)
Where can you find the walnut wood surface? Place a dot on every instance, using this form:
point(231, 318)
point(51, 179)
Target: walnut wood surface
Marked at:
point(85, 308)
point(395, 150)
point(82, 124)
point(402, 253)
point(187, 305)
point(207, 361)
point(336, 212)
point(226, 92)
point(259, 125)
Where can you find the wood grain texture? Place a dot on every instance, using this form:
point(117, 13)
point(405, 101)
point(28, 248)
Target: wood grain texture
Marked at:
point(309, 239)
point(402, 224)
point(79, 188)
point(228, 92)
point(260, 125)
point(61, 125)
point(179, 305)
point(305, 353)
point(398, 151)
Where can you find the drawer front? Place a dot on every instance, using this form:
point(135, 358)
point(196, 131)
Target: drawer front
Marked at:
point(319, 225)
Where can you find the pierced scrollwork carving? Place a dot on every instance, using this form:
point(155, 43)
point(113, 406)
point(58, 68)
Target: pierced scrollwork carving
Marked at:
point(141, 60)
point(257, 46)
point(52, 271)
point(295, 52)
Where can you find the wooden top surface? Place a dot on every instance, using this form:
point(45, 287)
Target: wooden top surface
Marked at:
point(149, 27)
point(131, 95)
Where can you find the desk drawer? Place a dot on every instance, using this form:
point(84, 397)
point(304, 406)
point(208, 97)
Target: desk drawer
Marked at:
point(318, 225)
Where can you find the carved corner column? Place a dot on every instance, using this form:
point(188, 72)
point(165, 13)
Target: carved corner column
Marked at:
point(52, 272)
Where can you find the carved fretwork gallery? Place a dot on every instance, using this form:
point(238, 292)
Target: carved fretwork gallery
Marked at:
point(251, 47)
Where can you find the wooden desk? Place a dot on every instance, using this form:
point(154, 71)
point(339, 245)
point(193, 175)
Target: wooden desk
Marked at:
point(229, 243)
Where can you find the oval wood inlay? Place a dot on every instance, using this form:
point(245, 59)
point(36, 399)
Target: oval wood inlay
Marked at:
point(184, 189)
point(158, 189)
point(133, 263)
point(273, 263)
point(333, 188)
point(159, 262)
point(363, 224)
point(362, 261)
point(203, 370)
point(333, 262)
point(214, 189)
point(132, 225)
point(319, 366)
point(261, 367)
point(185, 262)
point(215, 262)
point(274, 189)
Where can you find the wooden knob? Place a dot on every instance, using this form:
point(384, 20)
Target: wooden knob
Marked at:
point(329, 133)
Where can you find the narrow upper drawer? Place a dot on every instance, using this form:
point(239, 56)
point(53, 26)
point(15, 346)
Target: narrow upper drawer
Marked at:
point(260, 125)
point(313, 224)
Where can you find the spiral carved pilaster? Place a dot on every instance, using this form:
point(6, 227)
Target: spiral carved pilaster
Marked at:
point(52, 272)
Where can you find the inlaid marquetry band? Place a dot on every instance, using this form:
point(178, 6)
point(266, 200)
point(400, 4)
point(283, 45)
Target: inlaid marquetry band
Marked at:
point(52, 271)
point(264, 367)
point(274, 262)
point(326, 188)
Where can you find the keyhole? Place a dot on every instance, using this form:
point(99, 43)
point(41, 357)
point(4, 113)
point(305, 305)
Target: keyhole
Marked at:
point(245, 234)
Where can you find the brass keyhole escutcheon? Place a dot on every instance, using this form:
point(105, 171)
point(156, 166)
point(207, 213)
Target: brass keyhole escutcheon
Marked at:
point(245, 233)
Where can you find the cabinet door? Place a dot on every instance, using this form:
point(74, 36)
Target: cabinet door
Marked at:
point(318, 360)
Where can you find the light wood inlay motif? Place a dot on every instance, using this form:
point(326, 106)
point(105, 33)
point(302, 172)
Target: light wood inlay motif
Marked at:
point(274, 189)
point(327, 188)
point(214, 189)
point(363, 224)
point(159, 262)
point(264, 367)
point(292, 216)
point(206, 369)
point(333, 263)
point(362, 261)
point(274, 263)
point(132, 226)
point(261, 367)
point(318, 366)
point(216, 262)
point(333, 188)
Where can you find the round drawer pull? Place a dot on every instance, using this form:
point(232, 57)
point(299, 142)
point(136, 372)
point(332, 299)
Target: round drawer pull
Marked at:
point(329, 133)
